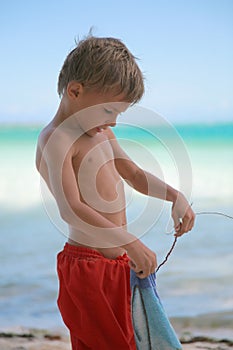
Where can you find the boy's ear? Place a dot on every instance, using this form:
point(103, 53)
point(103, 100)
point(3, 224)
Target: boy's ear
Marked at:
point(74, 89)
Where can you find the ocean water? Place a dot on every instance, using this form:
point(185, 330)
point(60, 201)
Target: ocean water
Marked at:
point(198, 276)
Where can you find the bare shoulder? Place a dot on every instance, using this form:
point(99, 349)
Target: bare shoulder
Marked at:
point(43, 137)
point(47, 133)
point(53, 138)
point(54, 142)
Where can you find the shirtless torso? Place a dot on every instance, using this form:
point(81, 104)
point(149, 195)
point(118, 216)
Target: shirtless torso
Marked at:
point(99, 183)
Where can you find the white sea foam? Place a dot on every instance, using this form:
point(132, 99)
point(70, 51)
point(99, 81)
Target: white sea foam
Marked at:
point(19, 182)
point(212, 174)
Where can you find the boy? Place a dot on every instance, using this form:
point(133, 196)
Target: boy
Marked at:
point(83, 165)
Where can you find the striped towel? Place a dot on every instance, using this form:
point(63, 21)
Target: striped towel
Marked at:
point(152, 328)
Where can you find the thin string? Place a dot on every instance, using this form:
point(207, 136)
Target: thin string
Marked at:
point(168, 254)
point(175, 239)
point(214, 213)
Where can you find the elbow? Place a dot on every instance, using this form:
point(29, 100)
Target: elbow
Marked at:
point(138, 178)
point(132, 178)
point(140, 181)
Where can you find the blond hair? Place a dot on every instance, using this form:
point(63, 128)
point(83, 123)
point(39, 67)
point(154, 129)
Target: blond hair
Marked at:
point(103, 64)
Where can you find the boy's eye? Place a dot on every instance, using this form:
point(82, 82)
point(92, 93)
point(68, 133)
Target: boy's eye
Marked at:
point(108, 111)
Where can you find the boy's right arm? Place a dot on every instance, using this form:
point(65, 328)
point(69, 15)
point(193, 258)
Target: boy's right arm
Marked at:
point(97, 230)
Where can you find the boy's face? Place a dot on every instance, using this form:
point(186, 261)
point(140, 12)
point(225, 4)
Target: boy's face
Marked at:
point(96, 111)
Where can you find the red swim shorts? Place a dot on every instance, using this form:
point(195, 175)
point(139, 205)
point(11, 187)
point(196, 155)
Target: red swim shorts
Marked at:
point(95, 299)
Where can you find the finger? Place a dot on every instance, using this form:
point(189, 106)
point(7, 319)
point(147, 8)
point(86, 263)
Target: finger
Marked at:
point(132, 265)
point(139, 271)
point(140, 274)
point(178, 227)
point(185, 227)
point(143, 274)
point(154, 265)
point(190, 216)
point(189, 223)
point(176, 221)
point(178, 234)
point(181, 232)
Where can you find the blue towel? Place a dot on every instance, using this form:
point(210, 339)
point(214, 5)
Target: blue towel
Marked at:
point(152, 329)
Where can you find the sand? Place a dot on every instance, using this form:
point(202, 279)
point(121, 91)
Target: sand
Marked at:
point(35, 339)
point(210, 331)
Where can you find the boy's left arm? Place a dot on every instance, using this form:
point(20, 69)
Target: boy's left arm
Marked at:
point(148, 184)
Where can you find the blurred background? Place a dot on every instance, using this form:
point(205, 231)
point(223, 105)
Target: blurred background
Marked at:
point(185, 52)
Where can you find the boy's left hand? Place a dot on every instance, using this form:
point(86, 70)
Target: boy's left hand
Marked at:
point(183, 215)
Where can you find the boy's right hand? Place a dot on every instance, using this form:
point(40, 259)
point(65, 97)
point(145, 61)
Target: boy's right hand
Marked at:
point(142, 260)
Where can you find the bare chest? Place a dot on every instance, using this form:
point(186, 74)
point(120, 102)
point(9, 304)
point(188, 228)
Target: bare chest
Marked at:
point(99, 183)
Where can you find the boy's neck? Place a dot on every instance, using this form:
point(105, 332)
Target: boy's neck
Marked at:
point(64, 111)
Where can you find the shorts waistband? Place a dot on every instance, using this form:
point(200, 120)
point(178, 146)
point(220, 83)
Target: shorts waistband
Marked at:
point(84, 252)
point(81, 251)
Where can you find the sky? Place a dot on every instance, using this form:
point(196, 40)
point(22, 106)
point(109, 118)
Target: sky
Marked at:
point(184, 48)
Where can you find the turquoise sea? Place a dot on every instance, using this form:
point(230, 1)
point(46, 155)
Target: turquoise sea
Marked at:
point(198, 277)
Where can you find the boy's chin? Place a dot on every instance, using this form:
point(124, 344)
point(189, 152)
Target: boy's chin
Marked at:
point(94, 132)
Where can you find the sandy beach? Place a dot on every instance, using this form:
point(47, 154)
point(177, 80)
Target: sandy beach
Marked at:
point(192, 338)
point(59, 342)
